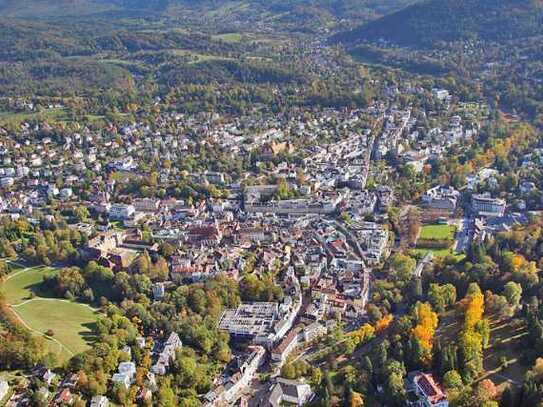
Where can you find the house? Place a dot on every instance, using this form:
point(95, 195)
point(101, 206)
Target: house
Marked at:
point(99, 401)
point(122, 379)
point(127, 368)
point(428, 391)
point(280, 352)
point(236, 377)
point(64, 397)
point(121, 211)
point(4, 388)
point(125, 375)
point(158, 290)
point(289, 392)
point(167, 355)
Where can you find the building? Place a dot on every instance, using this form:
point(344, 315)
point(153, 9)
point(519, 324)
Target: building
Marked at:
point(167, 355)
point(4, 388)
point(146, 205)
point(250, 320)
point(426, 389)
point(441, 197)
point(121, 211)
point(125, 375)
point(289, 392)
point(293, 207)
point(158, 291)
point(313, 331)
point(484, 205)
point(236, 377)
point(99, 401)
point(280, 353)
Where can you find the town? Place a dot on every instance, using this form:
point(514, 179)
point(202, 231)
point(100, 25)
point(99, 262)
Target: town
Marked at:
point(301, 215)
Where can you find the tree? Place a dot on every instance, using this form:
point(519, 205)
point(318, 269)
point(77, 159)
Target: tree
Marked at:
point(402, 266)
point(166, 396)
point(395, 372)
point(513, 293)
point(452, 380)
point(485, 391)
point(355, 399)
point(424, 331)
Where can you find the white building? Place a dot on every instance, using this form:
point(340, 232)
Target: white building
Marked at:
point(4, 388)
point(441, 197)
point(289, 392)
point(121, 211)
point(484, 205)
point(99, 401)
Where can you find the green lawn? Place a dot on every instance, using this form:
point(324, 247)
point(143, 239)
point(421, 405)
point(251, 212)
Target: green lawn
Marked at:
point(72, 323)
point(228, 37)
point(422, 251)
point(437, 232)
point(22, 282)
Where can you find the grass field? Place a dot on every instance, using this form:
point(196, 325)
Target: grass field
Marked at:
point(437, 232)
point(21, 283)
point(72, 323)
point(436, 252)
point(228, 37)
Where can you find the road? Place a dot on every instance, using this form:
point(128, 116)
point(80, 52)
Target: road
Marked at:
point(464, 233)
point(425, 261)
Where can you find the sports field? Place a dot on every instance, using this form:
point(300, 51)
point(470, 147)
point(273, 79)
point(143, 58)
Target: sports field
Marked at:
point(71, 322)
point(437, 232)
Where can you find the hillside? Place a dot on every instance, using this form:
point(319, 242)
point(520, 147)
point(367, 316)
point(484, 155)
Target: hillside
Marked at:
point(360, 9)
point(433, 21)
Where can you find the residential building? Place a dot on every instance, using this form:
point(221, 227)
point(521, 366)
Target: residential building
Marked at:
point(484, 205)
point(167, 355)
point(280, 353)
point(99, 401)
point(4, 388)
point(428, 391)
point(441, 197)
point(121, 211)
point(289, 392)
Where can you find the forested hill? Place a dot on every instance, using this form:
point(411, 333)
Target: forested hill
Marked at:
point(433, 21)
point(363, 9)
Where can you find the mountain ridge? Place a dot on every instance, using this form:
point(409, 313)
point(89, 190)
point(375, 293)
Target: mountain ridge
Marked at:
point(432, 21)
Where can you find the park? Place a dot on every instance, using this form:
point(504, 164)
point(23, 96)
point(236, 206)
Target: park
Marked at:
point(66, 325)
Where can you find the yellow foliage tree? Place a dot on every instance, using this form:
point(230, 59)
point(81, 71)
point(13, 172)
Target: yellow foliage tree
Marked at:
point(427, 323)
point(474, 311)
point(364, 333)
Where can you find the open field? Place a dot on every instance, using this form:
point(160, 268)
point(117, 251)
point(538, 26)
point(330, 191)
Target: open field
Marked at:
point(436, 252)
point(228, 37)
point(72, 323)
point(437, 232)
point(25, 282)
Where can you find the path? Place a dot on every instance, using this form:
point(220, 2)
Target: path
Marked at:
point(61, 345)
point(54, 299)
point(20, 318)
point(10, 276)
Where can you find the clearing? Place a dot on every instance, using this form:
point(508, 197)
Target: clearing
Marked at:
point(72, 323)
